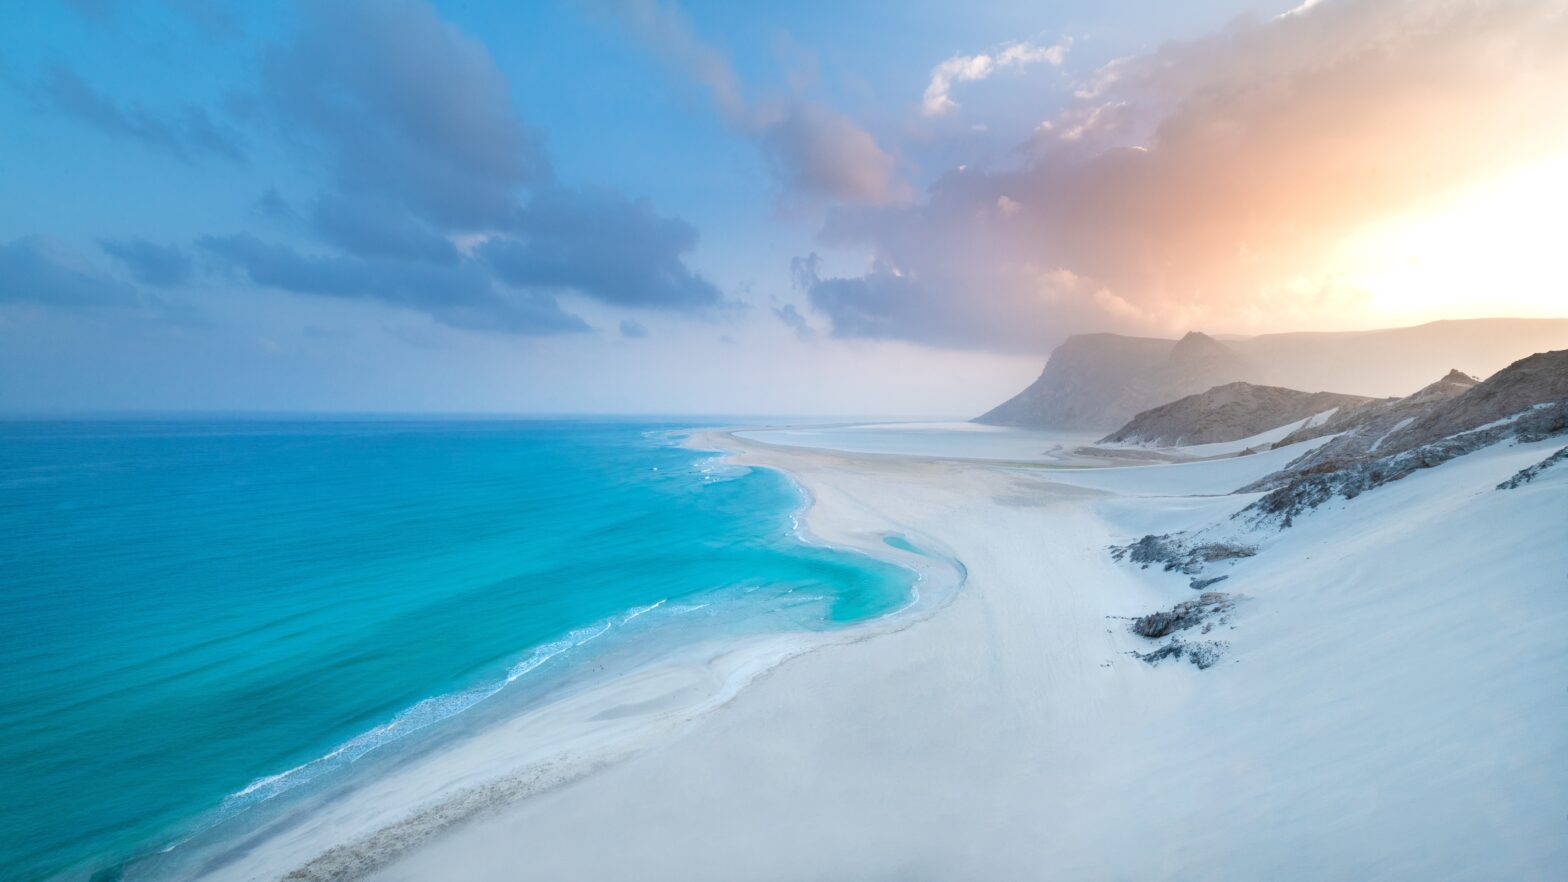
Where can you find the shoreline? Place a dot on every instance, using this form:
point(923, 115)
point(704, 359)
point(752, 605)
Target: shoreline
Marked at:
point(1012, 733)
point(846, 509)
point(632, 707)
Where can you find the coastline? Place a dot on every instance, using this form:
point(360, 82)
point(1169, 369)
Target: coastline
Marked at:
point(1007, 731)
point(855, 500)
point(495, 756)
point(1012, 735)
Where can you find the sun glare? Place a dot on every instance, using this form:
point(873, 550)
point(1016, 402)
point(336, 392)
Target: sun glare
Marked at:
point(1494, 249)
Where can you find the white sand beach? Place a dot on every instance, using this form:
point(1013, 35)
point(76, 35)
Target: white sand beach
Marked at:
point(1368, 720)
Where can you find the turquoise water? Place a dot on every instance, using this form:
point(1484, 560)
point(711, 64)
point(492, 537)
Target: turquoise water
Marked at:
point(198, 616)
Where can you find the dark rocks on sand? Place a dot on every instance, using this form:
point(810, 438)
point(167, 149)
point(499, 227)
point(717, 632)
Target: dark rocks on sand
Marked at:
point(1203, 654)
point(1176, 556)
point(1184, 615)
point(1310, 490)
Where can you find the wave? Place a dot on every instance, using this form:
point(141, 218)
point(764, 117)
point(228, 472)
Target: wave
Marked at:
point(642, 609)
point(436, 709)
point(419, 716)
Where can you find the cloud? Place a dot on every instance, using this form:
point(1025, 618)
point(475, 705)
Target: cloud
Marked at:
point(805, 271)
point(1210, 181)
point(813, 151)
point(816, 151)
point(887, 304)
point(633, 330)
point(796, 322)
point(938, 100)
point(370, 227)
point(435, 194)
point(150, 264)
point(664, 27)
point(32, 271)
point(189, 134)
point(410, 111)
point(461, 295)
point(601, 245)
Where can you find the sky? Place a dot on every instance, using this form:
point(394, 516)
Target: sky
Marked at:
point(815, 208)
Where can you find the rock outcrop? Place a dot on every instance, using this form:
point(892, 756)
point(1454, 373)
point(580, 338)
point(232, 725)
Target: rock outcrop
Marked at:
point(1228, 413)
point(1176, 555)
point(1537, 380)
point(1210, 610)
point(1375, 443)
point(1367, 430)
point(1182, 616)
point(1528, 401)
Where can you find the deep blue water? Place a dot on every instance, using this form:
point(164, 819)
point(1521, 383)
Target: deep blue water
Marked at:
point(196, 616)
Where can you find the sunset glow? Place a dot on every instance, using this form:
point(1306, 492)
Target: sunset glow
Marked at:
point(1493, 249)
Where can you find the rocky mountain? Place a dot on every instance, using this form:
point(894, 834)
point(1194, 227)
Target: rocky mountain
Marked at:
point(1527, 400)
point(1525, 403)
point(1363, 430)
point(1095, 380)
point(1538, 381)
point(1100, 381)
point(1229, 413)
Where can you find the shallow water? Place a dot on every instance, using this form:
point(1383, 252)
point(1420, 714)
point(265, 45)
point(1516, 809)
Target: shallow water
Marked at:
point(198, 616)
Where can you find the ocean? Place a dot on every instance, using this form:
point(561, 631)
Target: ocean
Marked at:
point(197, 617)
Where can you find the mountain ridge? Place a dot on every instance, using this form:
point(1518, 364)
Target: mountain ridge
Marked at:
point(1228, 413)
point(1101, 381)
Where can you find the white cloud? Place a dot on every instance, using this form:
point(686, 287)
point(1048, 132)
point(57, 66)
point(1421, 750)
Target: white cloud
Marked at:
point(968, 68)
